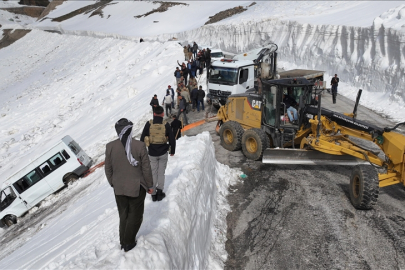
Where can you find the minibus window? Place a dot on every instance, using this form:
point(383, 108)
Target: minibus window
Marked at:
point(31, 178)
point(19, 186)
point(57, 160)
point(65, 154)
point(75, 148)
point(45, 168)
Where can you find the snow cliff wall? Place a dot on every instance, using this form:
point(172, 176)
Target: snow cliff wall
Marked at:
point(370, 58)
point(186, 229)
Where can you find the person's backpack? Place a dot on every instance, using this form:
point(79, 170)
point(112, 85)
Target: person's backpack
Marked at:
point(157, 133)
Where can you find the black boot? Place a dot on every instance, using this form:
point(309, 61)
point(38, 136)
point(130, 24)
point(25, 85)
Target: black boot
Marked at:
point(154, 198)
point(160, 194)
point(129, 247)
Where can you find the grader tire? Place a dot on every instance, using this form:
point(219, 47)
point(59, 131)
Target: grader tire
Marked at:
point(364, 187)
point(254, 142)
point(231, 135)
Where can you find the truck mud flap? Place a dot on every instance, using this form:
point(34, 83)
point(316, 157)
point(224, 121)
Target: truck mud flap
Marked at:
point(307, 157)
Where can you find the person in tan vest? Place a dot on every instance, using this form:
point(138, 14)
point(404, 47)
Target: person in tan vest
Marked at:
point(128, 171)
point(161, 141)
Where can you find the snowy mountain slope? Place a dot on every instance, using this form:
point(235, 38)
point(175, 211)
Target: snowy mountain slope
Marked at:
point(53, 85)
point(119, 17)
point(361, 41)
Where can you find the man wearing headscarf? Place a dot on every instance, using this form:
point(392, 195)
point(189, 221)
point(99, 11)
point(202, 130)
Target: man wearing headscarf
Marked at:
point(128, 171)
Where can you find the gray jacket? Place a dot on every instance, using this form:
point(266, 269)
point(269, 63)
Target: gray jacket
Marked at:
point(122, 176)
point(182, 104)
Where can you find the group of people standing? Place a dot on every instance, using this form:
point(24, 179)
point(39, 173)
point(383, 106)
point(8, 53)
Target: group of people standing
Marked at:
point(136, 167)
point(196, 59)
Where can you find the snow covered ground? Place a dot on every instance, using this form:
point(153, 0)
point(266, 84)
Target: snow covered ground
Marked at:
point(52, 85)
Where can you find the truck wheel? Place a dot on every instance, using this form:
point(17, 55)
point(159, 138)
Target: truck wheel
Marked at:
point(231, 135)
point(70, 178)
point(9, 221)
point(364, 187)
point(254, 142)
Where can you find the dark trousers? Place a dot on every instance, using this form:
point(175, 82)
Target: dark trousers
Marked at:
point(184, 116)
point(198, 104)
point(185, 79)
point(334, 93)
point(130, 210)
point(168, 108)
point(194, 103)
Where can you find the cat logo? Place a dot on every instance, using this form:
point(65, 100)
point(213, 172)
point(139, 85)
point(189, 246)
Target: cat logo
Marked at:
point(256, 104)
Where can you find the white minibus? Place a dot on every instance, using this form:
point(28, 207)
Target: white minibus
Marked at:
point(50, 172)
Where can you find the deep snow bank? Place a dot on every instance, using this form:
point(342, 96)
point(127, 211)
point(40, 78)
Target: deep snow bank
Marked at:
point(184, 231)
point(370, 58)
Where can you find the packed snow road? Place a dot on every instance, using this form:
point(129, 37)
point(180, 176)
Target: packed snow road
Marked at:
point(300, 217)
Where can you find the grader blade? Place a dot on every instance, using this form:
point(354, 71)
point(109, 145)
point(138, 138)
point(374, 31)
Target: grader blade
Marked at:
point(307, 157)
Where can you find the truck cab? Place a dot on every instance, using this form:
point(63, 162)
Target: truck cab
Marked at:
point(227, 77)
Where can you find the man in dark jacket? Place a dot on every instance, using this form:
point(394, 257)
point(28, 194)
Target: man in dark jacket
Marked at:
point(182, 109)
point(193, 97)
point(128, 171)
point(208, 59)
point(158, 150)
point(201, 60)
point(291, 111)
point(154, 102)
point(334, 82)
point(177, 74)
point(200, 99)
point(185, 72)
point(195, 48)
point(176, 127)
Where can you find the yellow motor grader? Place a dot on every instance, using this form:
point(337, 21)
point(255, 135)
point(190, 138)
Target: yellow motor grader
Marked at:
point(256, 122)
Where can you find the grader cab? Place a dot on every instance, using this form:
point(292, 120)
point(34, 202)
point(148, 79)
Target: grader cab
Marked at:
point(256, 122)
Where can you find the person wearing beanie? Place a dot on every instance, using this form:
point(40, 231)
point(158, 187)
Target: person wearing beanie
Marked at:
point(160, 140)
point(128, 171)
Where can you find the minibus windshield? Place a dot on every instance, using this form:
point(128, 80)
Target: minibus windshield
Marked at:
point(7, 196)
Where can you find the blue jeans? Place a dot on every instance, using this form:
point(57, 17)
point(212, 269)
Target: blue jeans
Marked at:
point(292, 109)
point(198, 105)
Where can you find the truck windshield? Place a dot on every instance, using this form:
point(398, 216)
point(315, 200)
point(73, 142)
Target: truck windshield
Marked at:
point(217, 54)
point(7, 196)
point(223, 75)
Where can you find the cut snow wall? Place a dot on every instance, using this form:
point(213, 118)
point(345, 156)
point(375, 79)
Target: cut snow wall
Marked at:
point(368, 58)
point(187, 233)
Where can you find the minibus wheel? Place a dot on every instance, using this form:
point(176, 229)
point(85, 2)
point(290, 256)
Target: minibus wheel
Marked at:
point(9, 221)
point(70, 178)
